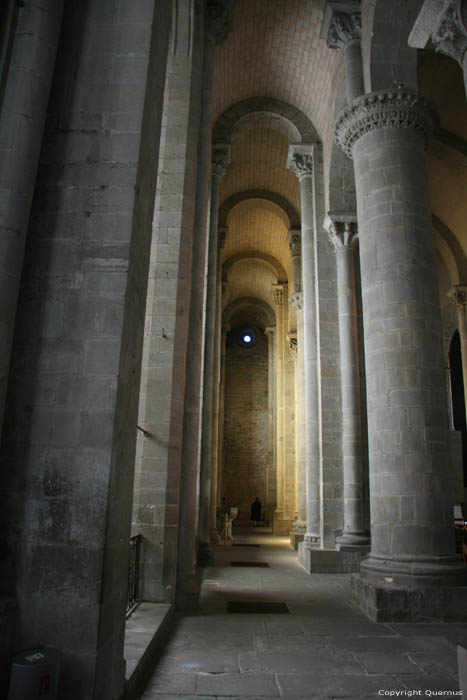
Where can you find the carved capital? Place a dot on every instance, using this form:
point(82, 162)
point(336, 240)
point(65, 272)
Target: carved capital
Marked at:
point(445, 23)
point(458, 295)
point(219, 16)
point(220, 160)
point(341, 23)
point(296, 301)
point(269, 331)
point(342, 229)
point(294, 239)
point(401, 109)
point(278, 294)
point(300, 160)
point(292, 338)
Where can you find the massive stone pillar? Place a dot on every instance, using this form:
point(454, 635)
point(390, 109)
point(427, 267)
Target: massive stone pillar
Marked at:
point(74, 379)
point(411, 509)
point(444, 23)
point(343, 232)
point(300, 162)
point(33, 37)
point(207, 528)
point(220, 442)
point(342, 30)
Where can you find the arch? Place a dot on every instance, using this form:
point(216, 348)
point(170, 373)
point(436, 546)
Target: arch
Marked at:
point(289, 210)
point(266, 111)
point(269, 260)
point(252, 302)
point(455, 249)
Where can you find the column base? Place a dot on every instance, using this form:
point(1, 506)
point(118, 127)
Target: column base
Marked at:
point(280, 525)
point(349, 541)
point(297, 533)
point(424, 590)
point(330, 561)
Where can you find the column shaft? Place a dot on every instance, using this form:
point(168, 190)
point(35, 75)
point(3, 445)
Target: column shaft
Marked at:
point(411, 509)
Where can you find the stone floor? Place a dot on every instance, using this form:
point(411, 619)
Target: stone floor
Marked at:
point(324, 649)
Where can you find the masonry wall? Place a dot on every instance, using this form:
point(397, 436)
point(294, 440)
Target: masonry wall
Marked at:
point(245, 426)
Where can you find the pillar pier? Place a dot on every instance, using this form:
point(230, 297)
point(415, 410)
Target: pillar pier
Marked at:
point(220, 444)
point(412, 536)
point(343, 233)
point(300, 163)
point(24, 107)
point(207, 531)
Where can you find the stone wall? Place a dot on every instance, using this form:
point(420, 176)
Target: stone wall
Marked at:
point(245, 425)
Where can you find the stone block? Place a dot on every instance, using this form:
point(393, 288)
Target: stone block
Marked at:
point(330, 561)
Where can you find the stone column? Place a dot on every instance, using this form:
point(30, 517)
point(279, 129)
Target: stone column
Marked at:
point(342, 30)
point(458, 295)
point(222, 232)
point(220, 445)
point(24, 107)
point(412, 537)
point(271, 482)
point(343, 232)
point(220, 161)
point(444, 23)
point(300, 163)
point(279, 513)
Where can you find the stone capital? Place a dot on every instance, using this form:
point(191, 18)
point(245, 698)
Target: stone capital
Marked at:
point(219, 16)
point(296, 301)
point(458, 295)
point(292, 338)
point(270, 331)
point(294, 240)
point(278, 294)
point(220, 159)
point(445, 23)
point(341, 23)
point(342, 229)
point(400, 109)
point(300, 159)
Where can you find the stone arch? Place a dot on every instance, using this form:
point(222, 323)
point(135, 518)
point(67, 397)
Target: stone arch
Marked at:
point(268, 112)
point(269, 260)
point(249, 302)
point(387, 58)
point(455, 258)
point(291, 214)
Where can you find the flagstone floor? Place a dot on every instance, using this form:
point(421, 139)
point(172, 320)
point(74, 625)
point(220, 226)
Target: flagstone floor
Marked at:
point(324, 649)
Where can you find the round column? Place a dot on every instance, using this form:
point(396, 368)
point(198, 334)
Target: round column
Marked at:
point(412, 535)
point(220, 161)
point(300, 163)
point(279, 513)
point(299, 526)
point(271, 484)
point(343, 235)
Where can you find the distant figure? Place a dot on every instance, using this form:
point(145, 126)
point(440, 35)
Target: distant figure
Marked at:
point(256, 511)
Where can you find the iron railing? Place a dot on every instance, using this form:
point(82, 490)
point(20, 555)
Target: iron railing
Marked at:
point(133, 573)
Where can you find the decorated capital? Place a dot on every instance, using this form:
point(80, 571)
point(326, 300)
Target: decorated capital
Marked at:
point(401, 109)
point(444, 23)
point(341, 23)
point(342, 229)
point(220, 159)
point(300, 160)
